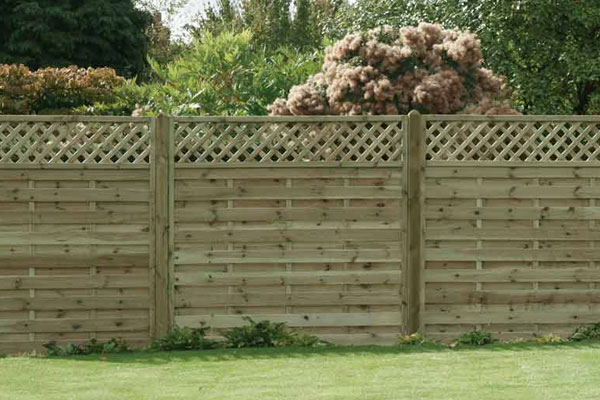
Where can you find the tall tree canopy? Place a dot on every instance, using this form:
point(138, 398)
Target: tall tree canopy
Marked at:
point(548, 50)
point(273, 23)
point(87, 33)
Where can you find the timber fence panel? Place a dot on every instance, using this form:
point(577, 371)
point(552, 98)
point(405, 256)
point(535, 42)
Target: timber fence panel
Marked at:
point(299, 221)
point(75, 234)
point(511, 220)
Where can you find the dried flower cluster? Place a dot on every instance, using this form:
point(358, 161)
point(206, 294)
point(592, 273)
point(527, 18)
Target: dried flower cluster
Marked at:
point(25, 92)
point(391, 71)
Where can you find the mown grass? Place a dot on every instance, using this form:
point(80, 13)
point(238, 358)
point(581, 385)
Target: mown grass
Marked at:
point(516, 371)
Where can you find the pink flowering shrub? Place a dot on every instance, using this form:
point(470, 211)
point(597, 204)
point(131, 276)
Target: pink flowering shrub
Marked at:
point(392, 71)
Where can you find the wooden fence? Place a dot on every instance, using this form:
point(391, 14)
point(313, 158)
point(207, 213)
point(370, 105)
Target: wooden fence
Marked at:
point(510, 236)
point(356, 229)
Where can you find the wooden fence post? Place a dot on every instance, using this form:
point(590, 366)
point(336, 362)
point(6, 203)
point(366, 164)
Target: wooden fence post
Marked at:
point(415, 176)
point(162, 177)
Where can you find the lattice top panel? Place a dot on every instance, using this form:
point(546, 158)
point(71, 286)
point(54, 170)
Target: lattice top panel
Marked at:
point(82, 141)
point(517, 139)
point(268, 141)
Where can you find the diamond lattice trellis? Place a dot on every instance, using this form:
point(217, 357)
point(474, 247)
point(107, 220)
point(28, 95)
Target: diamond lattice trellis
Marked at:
point(517, 140)
point(230, 142)
point(84, 142)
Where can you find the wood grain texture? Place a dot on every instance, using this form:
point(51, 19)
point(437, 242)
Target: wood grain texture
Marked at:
point(74, 254)
point(317, 248)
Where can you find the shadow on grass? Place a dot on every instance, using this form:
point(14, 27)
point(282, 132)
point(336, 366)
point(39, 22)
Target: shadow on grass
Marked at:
point(223, 355)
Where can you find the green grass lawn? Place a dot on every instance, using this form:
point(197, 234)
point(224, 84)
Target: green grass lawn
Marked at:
point(507, 372)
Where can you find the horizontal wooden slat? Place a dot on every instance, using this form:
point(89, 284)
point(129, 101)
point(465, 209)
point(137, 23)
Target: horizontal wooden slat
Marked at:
point(72, 282)
point(487, 191)
point(74, 325)
point(72, 118)
point(502, 213)
point(65, 260)
point(286, 214)
point(73, 167)
point(510, 118)
point(73, 303)
point(520, 170)
point(73, 217)
point(275, 299)
point(514, 275)
point(550, 296)
point(281, 172)
point(81, 173)
point(510, 254)
point(73, 195)
point(287, 278)
point(81, 238)
point(460, 233)
point(286, 235)
point(284, 256)
point(295, 118)
point(507, 317)
point(295, 320)
point(278, 193)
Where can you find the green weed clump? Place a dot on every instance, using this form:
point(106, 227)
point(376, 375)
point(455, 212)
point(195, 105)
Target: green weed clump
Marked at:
point(586, 333)
point(184, 339)
point(92, 347)
point(475, 338)
point(268, 334)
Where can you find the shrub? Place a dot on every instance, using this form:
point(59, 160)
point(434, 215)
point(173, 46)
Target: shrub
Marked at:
point(184, 339)
point(586, 333)
point(216, 75)
point(268, 334)
point(53, 90)
point(392, 71)
point(91, 347)
point(475, 338)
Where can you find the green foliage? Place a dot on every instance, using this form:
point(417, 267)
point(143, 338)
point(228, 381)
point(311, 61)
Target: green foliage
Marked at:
point(586, 333)
point(58, 33)
point(270, 21)
point(221, 75)
point(184, 339)
point(268, 334)
point(162, 48)
point(548, 50)
point(91, 347)
point(54, 90)
point(475, 338)
point(363, 15)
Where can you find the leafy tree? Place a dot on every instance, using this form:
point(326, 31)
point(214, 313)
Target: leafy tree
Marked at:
point(548, 50)
point(225, 16)
point(91, 33)
point(305, 32)
point(162, 47)
point(271, 22)
point(220, 75)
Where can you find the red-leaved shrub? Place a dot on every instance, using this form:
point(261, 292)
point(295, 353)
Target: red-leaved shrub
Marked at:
point(54, 89)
